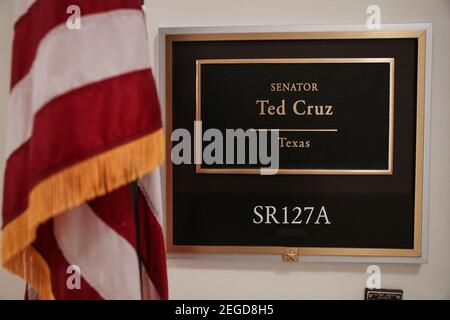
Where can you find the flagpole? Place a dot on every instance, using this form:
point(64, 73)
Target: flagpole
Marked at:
point(137, 224)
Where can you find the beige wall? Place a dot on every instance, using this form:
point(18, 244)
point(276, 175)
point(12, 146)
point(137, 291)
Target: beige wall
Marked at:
point(10, 287)
point(196, 279)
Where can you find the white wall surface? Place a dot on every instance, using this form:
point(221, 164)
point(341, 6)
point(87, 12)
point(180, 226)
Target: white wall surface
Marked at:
point(238, 279)
point(10, 287)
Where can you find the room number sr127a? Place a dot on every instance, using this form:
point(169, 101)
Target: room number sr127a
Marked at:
point(286, 215)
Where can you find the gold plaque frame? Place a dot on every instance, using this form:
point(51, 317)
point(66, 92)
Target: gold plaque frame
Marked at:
point(387, 171)
point(420, 35)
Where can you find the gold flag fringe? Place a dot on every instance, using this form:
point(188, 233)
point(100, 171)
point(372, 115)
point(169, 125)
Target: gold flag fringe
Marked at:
point(86, 180)
point(33, 268)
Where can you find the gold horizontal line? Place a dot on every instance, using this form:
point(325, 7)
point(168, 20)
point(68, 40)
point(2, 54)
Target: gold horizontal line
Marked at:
point(294, 60)
point(300, 130)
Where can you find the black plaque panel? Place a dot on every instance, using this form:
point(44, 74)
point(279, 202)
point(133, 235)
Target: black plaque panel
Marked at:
point(347, 125)
point(216, 212)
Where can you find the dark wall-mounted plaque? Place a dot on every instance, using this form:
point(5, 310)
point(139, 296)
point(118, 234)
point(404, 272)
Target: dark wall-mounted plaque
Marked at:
point(348, 111)
point(333, 114)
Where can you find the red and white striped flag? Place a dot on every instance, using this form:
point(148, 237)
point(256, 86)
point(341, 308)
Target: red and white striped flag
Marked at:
point(83, 123)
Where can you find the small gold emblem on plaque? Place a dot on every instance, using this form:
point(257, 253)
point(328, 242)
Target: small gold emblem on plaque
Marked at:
point(290, 255)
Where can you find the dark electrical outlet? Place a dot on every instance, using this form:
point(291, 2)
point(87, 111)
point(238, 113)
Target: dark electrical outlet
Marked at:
point(383, 294)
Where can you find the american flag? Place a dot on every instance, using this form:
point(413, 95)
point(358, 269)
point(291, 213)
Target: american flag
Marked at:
point(83, 123)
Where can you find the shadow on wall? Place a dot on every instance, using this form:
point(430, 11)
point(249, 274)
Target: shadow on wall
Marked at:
point(286, 267)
